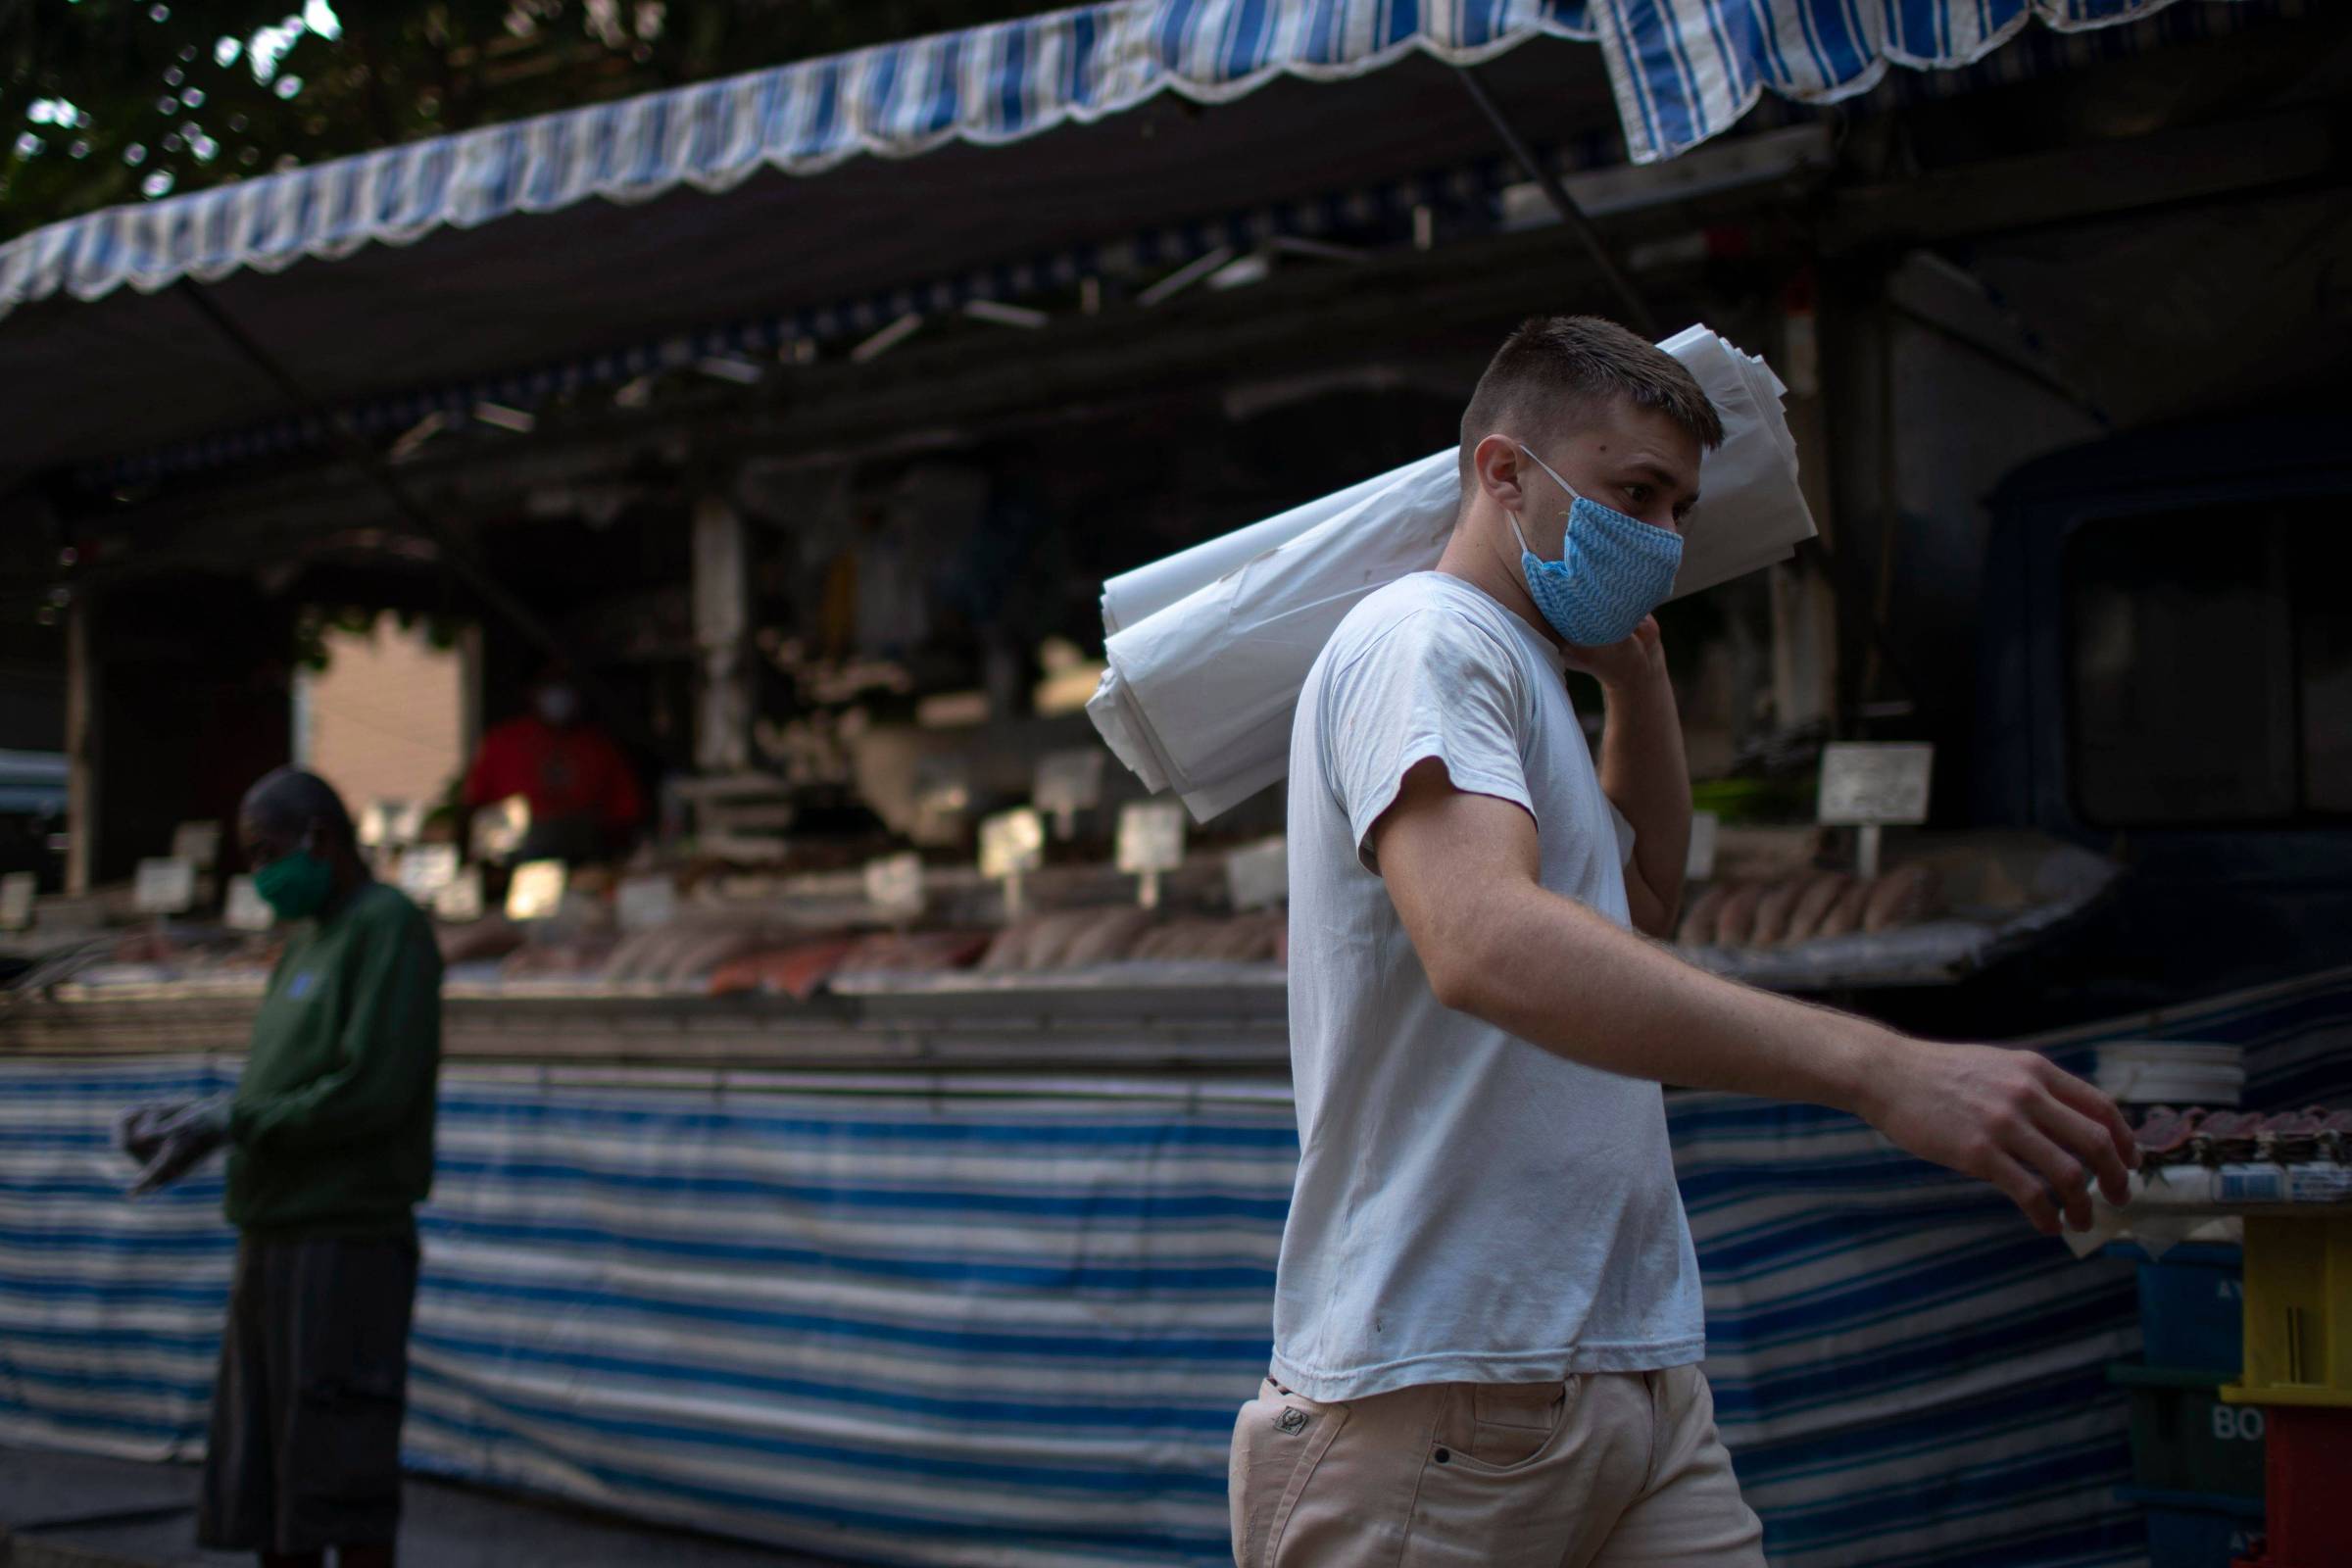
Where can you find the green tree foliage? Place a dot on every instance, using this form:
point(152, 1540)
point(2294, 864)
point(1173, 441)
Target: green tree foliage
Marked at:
point(111, 101)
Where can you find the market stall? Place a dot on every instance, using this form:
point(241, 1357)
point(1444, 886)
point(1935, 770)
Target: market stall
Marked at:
point(888, 1157)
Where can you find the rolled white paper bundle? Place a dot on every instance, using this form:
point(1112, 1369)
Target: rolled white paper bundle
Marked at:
point(1207, 649)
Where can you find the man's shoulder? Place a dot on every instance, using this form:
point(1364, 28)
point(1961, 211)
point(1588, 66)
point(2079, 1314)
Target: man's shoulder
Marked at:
point(1418, 615)
point(381, 907)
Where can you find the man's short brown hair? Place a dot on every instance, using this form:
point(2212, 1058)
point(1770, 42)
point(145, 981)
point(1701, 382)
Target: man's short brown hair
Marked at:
point(1552, 364)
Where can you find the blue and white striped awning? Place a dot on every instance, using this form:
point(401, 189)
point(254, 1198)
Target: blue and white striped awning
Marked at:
point(436, 241)
point(1682, 71)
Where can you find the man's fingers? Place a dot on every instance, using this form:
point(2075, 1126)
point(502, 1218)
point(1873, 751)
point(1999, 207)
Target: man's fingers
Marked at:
point(2026, 1191)
point(2066, 1177)
point(2091, 1102)
point(2089, 1142)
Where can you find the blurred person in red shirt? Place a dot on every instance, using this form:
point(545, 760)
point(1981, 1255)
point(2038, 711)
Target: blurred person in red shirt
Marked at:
point(583, 793)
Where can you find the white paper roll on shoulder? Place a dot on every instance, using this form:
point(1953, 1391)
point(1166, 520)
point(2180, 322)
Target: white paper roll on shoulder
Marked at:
point(1208, 648)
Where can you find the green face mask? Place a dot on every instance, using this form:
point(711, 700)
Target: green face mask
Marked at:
point(295, 885)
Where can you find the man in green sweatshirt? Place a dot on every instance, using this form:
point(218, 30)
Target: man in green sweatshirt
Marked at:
point(330, 1138)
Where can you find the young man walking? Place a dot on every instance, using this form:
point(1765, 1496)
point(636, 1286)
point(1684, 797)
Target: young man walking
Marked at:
point(1487, 1318)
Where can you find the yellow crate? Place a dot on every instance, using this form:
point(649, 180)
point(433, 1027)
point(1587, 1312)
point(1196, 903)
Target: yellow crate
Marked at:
point(2298, 1313)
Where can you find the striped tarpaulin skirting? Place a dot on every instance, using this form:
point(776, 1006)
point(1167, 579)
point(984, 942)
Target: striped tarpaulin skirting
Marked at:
point(967, 1328)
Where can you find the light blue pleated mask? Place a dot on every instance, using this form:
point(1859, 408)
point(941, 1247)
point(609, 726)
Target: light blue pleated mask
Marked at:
point(1613, 570)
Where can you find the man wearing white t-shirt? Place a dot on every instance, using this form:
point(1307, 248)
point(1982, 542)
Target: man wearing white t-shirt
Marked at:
point(1486, 1320)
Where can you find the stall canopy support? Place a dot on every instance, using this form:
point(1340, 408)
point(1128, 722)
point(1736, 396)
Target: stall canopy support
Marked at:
point(1636, 309)
point(363, 461)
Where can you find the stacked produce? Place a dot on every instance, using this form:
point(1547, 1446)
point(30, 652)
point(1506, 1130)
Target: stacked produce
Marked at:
point(2195, 1136)
point(1802, 906)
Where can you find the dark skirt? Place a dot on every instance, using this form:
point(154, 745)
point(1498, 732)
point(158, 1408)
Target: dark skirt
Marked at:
point(304, 1452)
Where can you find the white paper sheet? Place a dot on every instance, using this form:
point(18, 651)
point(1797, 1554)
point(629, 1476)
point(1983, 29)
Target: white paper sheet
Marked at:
point(1207, 648)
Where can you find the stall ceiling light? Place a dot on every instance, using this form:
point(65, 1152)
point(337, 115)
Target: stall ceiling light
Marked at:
point(1254, 267)
point(1323, 249)
point(1185, 277)
point(1020, 316)
point(417, 434)
point(890, 337)
point(518, 421)
point(728, 368)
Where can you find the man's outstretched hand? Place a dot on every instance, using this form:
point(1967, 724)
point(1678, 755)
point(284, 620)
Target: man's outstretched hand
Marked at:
point(171, 1140)
point(2009, 1117)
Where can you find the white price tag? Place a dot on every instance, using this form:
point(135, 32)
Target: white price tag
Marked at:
point(1259, 876)
point(498, 828)
point(379, 823)
point(645, 902)
point(1699, 865)
point(943, 786)
point(198, 844)
point(426, 870)
point(1067, 783)
point(461, 900)
point(1012, 843)
point(15, 899)
point(165, 886)
point(247, 909)
point(536, 891)
point(894, 886)
point(1867, 784)
point(1150, 837)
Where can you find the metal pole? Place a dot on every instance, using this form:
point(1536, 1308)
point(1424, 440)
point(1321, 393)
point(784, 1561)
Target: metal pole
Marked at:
point(363, 460)
point(371, 467)
point(1636, 309)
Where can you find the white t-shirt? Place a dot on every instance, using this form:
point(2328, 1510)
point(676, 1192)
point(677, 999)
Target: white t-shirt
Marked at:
point(1468, 1207)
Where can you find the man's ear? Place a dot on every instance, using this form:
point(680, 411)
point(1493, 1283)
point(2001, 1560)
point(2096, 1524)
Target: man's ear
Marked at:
point(1497, 462)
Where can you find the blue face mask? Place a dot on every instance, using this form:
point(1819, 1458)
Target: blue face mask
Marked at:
point(1613, 570)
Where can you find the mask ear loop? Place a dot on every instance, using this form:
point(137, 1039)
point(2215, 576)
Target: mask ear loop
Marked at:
point(1555, 479)
point(1573, 493)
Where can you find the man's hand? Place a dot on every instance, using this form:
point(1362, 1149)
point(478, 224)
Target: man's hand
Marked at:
point(2008, 1117)
point(1643, 770)
point(1623, 665)
point(169, 1140)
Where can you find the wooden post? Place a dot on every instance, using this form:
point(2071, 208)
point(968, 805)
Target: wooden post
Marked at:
point(722, 730)
point(1804, 610)
point(82, 728)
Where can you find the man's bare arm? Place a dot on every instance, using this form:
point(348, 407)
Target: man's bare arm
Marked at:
point(1462, 870)
point(1643, 771)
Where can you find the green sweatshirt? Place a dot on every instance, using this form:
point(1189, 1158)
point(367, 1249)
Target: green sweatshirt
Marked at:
point(331, 1132)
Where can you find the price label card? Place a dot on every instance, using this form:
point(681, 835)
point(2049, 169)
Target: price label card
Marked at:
point(1150, 837)
point(894, 885)
point(461, 900)
point(164, 886)
point(1699, 865)
point(1012, 843)
point(1866, 784)
point(380, 823)
point(498, 828)
point(1069, 782)
point(536, 891)
point(247, 910)
point(15, 899)
point(426, 870)
point(198, 844)
point(943, 786)
point(644, 902)
point(1259, 877)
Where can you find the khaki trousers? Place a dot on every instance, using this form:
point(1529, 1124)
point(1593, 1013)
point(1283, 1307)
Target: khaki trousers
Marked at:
point(1609, 1469)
